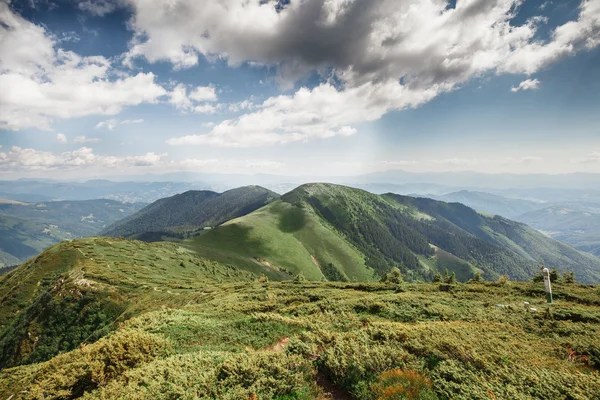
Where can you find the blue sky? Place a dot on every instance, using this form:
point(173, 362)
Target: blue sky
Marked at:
point(313, 87)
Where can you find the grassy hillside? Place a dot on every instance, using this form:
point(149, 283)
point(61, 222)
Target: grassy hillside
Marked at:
point(191, 211)
point(287, 340)
point(282, 240)
point(531, 246)
point(339, 233)
point(28, 228)
point(78, 291)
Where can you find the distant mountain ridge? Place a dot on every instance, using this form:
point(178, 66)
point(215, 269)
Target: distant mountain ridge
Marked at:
point(28, 228)
point(192, 210)
point(371, 233)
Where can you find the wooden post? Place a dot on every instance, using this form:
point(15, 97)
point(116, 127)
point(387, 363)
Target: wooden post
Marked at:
point(546, 273)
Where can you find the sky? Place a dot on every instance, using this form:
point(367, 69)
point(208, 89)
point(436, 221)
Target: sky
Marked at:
point(298, 87)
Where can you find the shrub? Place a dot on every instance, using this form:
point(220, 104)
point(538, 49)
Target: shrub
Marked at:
point(393, 276)
point(502, 280)
point(477, 278)
point(72, 374)
point(437, 277)
point(569, 277)
point(401, 384)
point(450, 279)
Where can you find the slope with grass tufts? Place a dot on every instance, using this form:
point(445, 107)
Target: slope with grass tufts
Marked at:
point(78, 291)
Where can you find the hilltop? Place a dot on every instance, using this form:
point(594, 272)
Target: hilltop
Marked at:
point(190, 211)
point(79, 290)
point(333, 232)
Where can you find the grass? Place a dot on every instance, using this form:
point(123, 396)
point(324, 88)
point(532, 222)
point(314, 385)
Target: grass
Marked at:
point(289, 238)
point(369, 339)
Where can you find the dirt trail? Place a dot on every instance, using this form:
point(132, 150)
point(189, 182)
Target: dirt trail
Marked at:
point(330, 390)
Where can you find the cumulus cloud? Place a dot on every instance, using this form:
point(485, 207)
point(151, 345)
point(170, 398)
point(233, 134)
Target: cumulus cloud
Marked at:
point(187, 102)
point(109, 124)
point(394, 54)
point(20, 159)
point(132, 121)
point(41, 82)
point(83, 139)
point(528, 84)
point(423, 41)
point(61, 138)
point(318, 113)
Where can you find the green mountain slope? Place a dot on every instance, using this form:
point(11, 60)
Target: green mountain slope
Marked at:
point(371, 234)
point(531, 246)
point(77, 291)
point(28, 228)
point(191, 211)
point(281, 240)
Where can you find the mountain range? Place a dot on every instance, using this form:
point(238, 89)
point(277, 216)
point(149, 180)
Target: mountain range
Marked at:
point(191, 211)
point(28, 228)
point(333, 232)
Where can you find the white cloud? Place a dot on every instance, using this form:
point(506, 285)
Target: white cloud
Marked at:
point(423, 41)
point(109, 124)
point(242, 105)
point(208, 124)
point(41, 82)
point(185, 102)
point(321, 112)
point(590, 158)
point(205, 109)
point(22, 160)
point(112, 123)
point(203, 93)
point(83, 139)
point(384, 55)
point(19, 159)
point(61, 138)
point(528, 84)
point(132, 121)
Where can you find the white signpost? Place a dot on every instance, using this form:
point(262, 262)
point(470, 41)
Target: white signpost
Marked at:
point(546, 273)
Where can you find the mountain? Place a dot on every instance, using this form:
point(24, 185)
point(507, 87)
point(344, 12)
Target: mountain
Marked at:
point(490, 203)
point(192, 210)
point(28, 228)
point(580, 229)
point(21, 239)
point(333, 232)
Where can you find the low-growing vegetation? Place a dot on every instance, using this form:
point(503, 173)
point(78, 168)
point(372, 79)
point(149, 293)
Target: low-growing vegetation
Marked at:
point(301, 340)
